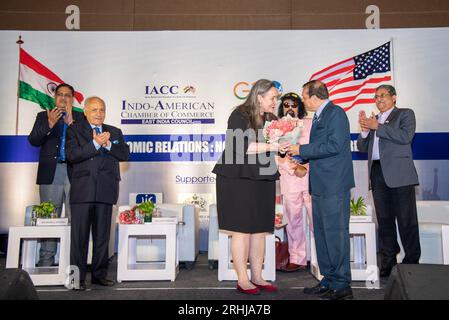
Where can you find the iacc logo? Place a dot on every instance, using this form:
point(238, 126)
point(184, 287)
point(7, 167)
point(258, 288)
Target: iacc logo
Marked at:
point(162, 90)
point(145, 197)
point(241, 89)
point(169, 90)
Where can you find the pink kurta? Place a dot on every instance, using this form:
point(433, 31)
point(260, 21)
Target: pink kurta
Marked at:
point(295, 194)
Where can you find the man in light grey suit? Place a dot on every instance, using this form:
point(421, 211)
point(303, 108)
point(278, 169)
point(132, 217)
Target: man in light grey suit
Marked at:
point(387, 138)
point(330, 181)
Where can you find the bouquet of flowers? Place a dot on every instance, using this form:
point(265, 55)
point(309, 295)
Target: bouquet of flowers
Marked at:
point(285, 129)
point(130, 217)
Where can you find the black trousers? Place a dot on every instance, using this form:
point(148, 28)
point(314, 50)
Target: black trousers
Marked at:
point(395, 204)
point(85, 216)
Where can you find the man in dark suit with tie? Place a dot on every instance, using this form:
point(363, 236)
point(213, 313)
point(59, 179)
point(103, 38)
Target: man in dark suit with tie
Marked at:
point(387, 138)
point(94, 149)
point(330, 180)
point(53, 173)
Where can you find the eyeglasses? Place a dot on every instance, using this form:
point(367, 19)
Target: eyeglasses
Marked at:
point(288, 105)
point(65, 95)
point(383, 95)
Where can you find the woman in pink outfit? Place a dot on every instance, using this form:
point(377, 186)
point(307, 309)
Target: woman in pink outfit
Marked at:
point(295, 186)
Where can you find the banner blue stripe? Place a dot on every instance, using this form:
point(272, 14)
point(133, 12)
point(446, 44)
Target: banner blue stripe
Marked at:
point(187, 147)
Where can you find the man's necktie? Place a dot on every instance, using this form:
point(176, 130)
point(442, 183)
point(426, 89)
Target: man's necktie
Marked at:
point(62, 143)
point(98, 131)
point(315, 119)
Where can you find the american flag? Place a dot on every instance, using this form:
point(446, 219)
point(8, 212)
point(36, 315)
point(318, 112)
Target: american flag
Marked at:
point(353, 81)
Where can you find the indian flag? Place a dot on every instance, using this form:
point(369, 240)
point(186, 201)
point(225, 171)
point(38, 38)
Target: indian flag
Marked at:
point(37, 83)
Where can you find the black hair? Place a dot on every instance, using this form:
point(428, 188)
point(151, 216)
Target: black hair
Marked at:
point(295, 98)
point(67, 86)
point(317, 88)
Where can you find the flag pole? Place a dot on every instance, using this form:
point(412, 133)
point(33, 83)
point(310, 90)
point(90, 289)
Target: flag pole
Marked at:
point(19, 42)
point(392, 61)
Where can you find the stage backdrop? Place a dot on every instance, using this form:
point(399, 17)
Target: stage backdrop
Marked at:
point(172, 92)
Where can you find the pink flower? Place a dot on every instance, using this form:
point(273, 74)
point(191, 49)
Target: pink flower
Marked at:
point(273, 130)
point(127, 217)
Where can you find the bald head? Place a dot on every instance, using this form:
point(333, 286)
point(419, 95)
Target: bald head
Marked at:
point(95, 110)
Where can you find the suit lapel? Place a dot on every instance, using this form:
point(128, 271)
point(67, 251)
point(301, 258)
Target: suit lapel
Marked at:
point(394, 113)
point(326, 107)
point(86, 130)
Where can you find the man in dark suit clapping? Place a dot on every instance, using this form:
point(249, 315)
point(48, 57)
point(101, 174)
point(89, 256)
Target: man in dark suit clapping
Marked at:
point(94, 149)
point(53, 173)
point(387, 138)
point(330, 180)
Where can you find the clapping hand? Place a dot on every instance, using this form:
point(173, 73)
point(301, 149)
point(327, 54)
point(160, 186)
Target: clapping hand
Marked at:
point(53, 116)
point(102, 139)
point(368, 123)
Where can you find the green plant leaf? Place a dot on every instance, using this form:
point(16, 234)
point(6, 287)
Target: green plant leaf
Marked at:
point(358, 208)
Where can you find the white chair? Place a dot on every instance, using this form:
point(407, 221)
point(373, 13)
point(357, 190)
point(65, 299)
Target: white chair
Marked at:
point(225, 266)
point(152, 248)
point(445, 240)
point(432, 217)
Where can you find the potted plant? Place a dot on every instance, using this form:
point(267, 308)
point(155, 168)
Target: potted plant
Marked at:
point(146, 209)
point(45, 210)
point(358, 210)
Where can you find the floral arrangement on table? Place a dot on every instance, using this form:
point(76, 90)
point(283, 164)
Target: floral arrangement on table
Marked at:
point(138, 214)
point(128, 217)
point(285, 129)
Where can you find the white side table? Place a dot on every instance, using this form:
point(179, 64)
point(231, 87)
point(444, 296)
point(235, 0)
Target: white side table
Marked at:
point(128, 269)
point(225, 266)
point(41, 276)
point(360, 271)
point(368, 271)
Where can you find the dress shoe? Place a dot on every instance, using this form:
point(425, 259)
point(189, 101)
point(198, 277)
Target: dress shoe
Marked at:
point(342, 294)
point(82, 286)
point(103, 282)
point(292, 267)
point(318, 289)
point(253, 291)
point(267, 288)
